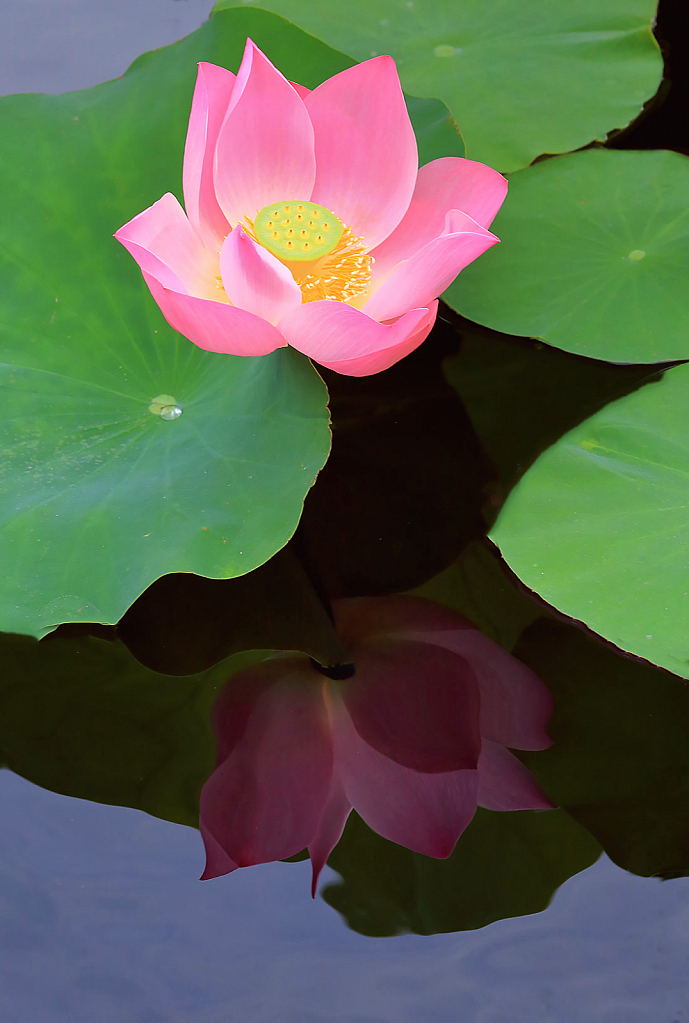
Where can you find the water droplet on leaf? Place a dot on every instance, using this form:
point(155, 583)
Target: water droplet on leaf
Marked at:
point(165, 406)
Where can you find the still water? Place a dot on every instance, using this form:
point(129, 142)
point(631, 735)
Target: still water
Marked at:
point(102, 918)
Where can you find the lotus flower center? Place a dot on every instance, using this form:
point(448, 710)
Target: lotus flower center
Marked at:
point(297, 231)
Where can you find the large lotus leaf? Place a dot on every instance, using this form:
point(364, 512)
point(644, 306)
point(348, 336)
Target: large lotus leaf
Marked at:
point(619, 762)
point(101, 492)
point(521, 78)
point(504, 865)
point(593, 257)
point(599, 527)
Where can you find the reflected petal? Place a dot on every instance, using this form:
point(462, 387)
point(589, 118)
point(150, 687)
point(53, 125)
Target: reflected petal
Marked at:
point(330, 827)
point(265, 799)
point(423, 812)
point(415, 703)
point(217, 860)
point(515, 705)
point(359, 618)
point(504, 782)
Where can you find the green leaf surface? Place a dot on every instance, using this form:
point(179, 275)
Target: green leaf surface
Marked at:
point(594, 257)
point(521, 79)
point(599, 526)
point(100, 493)
point(618, 763)
point(504, 865)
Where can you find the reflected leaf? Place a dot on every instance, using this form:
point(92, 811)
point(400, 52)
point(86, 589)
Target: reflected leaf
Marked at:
point(618, 763)
point(184, 623)
point(505, 865)
point(82, 717)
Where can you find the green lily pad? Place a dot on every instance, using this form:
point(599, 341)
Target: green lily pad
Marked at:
point(594, 257)
point(127, 452)
point(520, 78)
point(599, 527)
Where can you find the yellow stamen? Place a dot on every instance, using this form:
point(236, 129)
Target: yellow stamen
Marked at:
point(339, 274)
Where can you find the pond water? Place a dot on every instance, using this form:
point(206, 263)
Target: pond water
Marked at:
point(102, 918)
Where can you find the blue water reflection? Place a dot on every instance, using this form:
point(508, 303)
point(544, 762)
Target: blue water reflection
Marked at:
point(103, 921)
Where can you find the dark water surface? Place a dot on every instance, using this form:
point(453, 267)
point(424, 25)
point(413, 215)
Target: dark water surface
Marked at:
point(102, 918)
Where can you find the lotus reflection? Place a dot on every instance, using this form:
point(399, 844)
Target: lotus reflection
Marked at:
point(413, 740)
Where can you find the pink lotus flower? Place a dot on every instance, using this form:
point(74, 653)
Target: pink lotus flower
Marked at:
point(308, 221)
point(414, 740)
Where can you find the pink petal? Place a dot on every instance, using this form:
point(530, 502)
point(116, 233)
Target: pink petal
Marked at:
point(330, 827)
point(427, 273)
point(337, 335)
point(379, 361)
point(165, 245)
point(212, 95)
point(515, 704)
point(214, 326)
point(415, 703)
point(255, 280)
point(423, 812)
point(300, 90)
point(265, 799)
point(265, 146)
point(366, 155)
point(360, 618)
point(505, 784)
point(443, 185)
